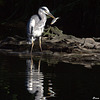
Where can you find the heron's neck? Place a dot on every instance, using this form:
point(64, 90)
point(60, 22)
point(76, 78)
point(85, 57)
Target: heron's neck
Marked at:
point(42, 17)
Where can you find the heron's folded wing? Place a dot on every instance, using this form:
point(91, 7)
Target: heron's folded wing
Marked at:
point(31, 30)
point(32, 25)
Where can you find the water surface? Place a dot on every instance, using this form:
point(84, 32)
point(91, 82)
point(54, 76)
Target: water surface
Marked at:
point(33, 79)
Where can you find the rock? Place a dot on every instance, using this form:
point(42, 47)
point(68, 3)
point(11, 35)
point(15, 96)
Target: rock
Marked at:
point(91, 43)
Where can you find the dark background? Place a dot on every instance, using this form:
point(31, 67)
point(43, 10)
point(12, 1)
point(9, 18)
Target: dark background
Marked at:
point(77, 17)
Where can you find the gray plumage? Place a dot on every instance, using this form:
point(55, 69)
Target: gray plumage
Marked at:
point(36, 24)
point(35, 27)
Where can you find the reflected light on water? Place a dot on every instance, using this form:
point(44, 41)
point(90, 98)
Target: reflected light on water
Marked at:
point(35, 81)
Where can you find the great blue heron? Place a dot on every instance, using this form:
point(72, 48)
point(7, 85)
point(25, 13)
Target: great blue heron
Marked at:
point(36, 25)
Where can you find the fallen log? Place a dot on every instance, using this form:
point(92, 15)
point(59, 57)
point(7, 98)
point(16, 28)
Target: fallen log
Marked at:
point(56, 46)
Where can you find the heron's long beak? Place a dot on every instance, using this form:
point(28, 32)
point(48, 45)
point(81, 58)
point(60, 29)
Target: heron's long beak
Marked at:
point(51, 15)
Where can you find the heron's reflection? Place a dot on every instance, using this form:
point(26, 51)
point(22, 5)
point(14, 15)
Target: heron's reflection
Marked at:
point(35, 78)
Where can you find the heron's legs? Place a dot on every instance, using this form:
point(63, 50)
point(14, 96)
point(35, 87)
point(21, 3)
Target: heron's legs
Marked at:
point(31, 62)
point(32, 46)
point(40, 43)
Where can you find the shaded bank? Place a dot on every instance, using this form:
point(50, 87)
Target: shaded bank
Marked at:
point(56, 47)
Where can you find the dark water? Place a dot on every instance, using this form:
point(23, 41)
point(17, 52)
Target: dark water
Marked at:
point(26, 79)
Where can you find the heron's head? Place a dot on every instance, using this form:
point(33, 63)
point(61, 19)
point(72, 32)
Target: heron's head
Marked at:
point(46, 11)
